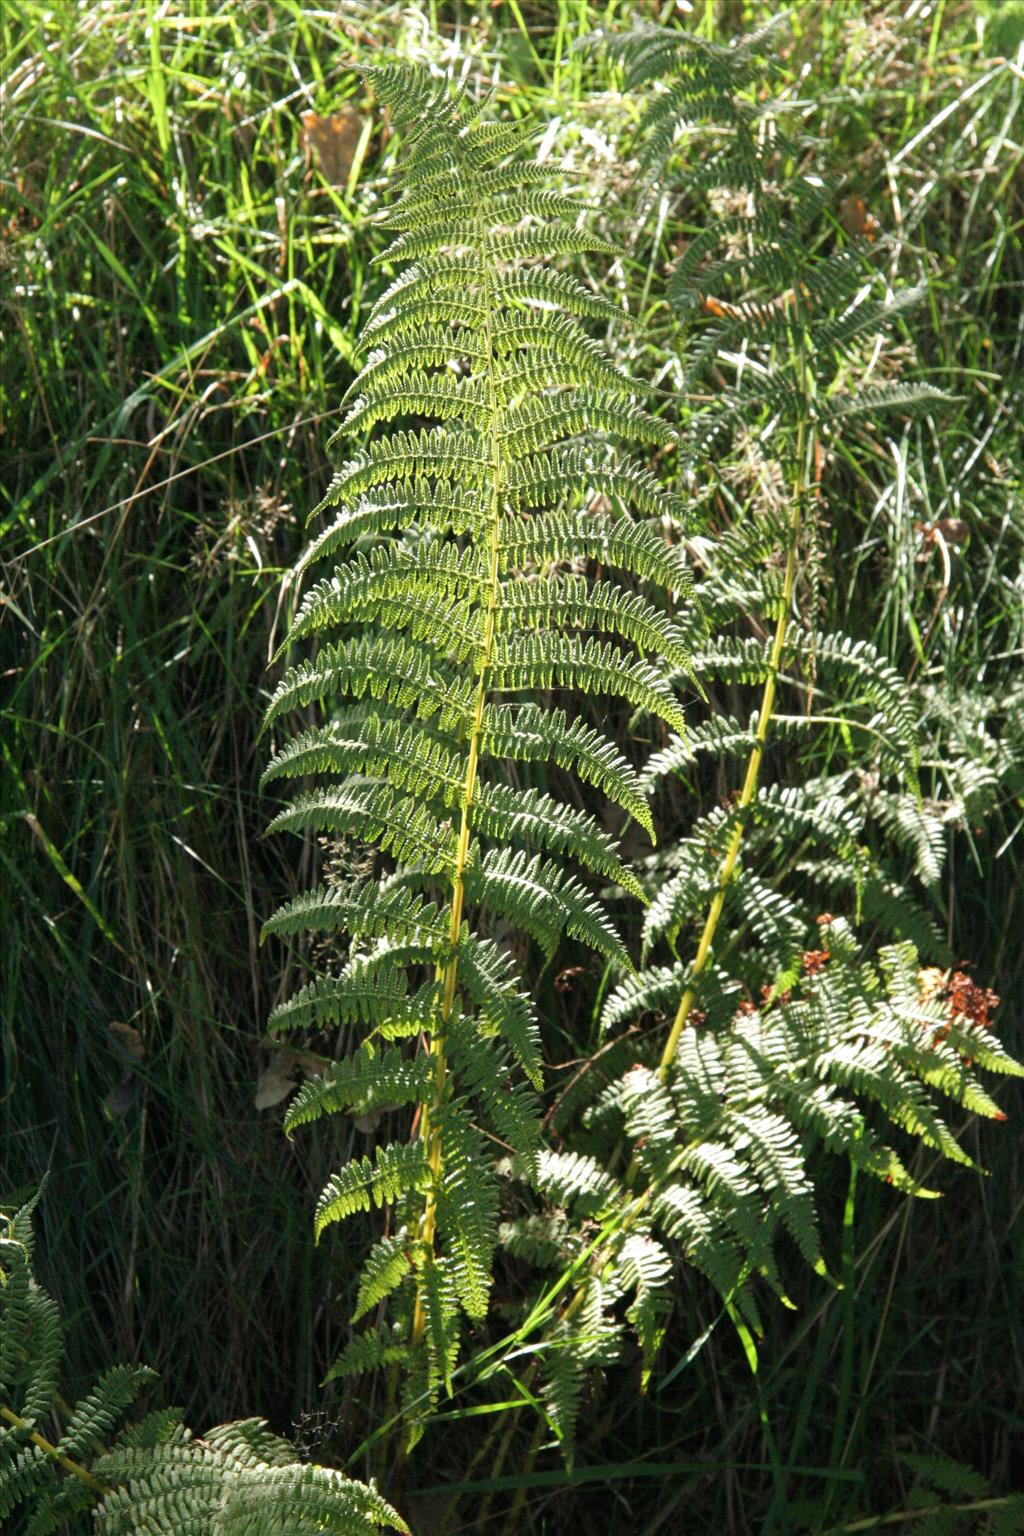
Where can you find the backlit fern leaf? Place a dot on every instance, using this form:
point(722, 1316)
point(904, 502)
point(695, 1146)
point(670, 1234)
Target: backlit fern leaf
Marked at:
point(785, 1038)
point(487, 419)
point(553, 538)
point(722, 1147)
point(533, 894)
point(369, 1351)
point(385, 1268)
point(395, 1170)
point(236, 1479)
point(528, 734)
point(359, 1083)
point(359, 995)
point(96, 1415)
point(540, 821)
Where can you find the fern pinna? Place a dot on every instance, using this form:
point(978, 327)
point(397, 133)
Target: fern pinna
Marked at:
point(487, 418)
point(781, 1036)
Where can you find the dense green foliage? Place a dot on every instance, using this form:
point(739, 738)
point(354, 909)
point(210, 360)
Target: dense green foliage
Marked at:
point(186, 269)
point(748, 1086)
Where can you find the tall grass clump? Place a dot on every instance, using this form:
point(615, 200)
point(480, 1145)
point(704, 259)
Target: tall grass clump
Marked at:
point(180, 285)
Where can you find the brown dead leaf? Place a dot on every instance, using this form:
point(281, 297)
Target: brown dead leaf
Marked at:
point(129, 1038)
point(856, 220)
point(333, 140)
point(276, 1081)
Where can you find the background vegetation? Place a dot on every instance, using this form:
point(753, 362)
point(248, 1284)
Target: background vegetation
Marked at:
point(186, 243)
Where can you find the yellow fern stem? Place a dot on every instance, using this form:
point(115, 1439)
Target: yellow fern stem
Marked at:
point(75, 1468)
point(749, 789)
point(448, 975)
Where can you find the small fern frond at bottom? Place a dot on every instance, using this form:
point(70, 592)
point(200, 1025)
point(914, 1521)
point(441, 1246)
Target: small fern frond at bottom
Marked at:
point(370, 1351)
point(947, 1498)
point(151, 1477)
point(237, 1479)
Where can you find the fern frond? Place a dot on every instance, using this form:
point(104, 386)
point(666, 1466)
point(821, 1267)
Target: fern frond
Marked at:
point(490, 980)
point(372, 813)
point(371, 913)
point(533, 894)
point(358, 995)
point(483, 400)
point(415, 505)
point(856, 663)
point(644, 1267)
point(237, 1477)
point(573, 602)
point(440, 1339)
point(909, 400)
point(445, 453)
point(434, 279)
point(530, 663)
point(403, 753)
point(387, 1265)
point(467, 1211)
point(537, 481)
point(723, 1146)
point(529, 734)
point(652, 990)
point(554, 240)
point(537, 819)
point(95, 1415)
point(556, 538)
point(486, 1071)
point(443, 396)
point(157, 1477)
point(539, 1239)
point(533, 425)
point(576, 1180)
point(385, 667)
point(369, 1351)
point(514, 290)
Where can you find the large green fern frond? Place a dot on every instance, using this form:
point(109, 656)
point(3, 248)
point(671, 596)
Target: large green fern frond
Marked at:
point(722, 1145)
point(483, 425)
point(780, 1035)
